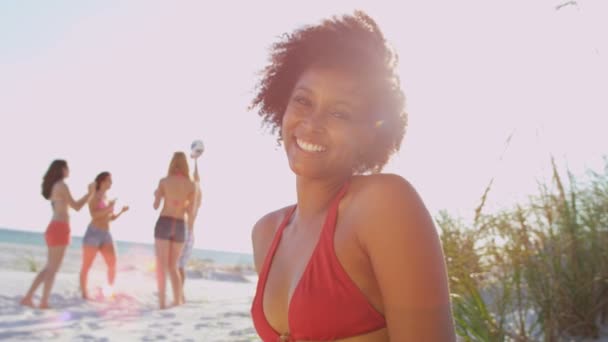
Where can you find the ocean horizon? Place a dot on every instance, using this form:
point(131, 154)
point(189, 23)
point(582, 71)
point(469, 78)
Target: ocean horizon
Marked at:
point(31, 238)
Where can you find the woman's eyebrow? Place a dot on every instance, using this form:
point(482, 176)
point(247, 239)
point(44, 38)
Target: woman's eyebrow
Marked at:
point(303, 88)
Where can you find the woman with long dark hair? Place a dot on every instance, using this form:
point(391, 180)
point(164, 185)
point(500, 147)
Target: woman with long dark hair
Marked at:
point(97, 237)
point(57, 234)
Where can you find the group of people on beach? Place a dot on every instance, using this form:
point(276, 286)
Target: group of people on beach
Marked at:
point(357, 258)
point(174, 231)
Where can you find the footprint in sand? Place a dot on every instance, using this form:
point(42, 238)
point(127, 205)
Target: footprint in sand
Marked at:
point(236, 314)
point(243, 332)
point(94, 326)
point(223, 324)
point(159, 337)
point(85, 337)
point(200, 326)
point(167, 315)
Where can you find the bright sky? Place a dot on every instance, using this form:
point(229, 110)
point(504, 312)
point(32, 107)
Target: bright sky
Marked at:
point(120, 86)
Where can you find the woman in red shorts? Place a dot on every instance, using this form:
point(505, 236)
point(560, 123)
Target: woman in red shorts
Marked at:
point(57, 234)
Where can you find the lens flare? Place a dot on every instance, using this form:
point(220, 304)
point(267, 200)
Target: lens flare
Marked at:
point(107, 291)
point(151, 266)
point(65, 316)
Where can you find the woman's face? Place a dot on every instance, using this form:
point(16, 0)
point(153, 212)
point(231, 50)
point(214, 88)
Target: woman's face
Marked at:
point(106, 183)
point(66, 172)
point(326, 125)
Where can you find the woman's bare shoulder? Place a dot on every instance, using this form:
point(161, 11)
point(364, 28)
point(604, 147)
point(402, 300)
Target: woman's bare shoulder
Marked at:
point(383, 187)
point(268, 224)
point(382, 197)
point(59, 188)
point(263, 233)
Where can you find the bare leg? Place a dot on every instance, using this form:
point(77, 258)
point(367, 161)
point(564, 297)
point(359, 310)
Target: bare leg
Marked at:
point(88, 256)
point(162, 265)
point(109, 254)
point(175, 251)
point(27, 299)
point(182, 270)
point(182, 275)
point(54, 262)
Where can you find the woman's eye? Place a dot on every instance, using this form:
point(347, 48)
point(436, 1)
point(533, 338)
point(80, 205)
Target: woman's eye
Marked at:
point(302, 100)
point(340, 115)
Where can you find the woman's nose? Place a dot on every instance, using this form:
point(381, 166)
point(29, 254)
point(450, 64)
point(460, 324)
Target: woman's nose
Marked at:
point(316, 120)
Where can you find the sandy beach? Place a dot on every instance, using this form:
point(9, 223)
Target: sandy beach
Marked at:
point(215, 310)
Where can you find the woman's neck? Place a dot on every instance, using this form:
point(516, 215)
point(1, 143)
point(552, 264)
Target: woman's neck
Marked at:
point(315, 196)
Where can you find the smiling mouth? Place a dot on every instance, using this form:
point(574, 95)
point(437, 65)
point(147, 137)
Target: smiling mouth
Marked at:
point(310, 147)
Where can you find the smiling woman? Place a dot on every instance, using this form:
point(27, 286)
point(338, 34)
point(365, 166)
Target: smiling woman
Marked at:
point(357, 258)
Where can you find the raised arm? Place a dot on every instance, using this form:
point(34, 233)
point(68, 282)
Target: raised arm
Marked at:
point(198, 195)
point(192, 206)
point(196, 176)
point(199, 192)
point(158, 195)
point(77, 204)
point(403, 246)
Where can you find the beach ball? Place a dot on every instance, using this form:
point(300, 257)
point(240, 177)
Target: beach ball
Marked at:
point(197, 148)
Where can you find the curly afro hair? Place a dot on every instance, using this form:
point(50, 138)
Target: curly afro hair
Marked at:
point(352, 42)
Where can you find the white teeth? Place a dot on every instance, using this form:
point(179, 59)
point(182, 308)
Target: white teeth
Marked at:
point(310, 147)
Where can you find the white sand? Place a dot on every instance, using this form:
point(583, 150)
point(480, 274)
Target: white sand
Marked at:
point(215, 310)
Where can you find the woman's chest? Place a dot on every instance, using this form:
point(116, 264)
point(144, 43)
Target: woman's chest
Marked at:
point(306, 266)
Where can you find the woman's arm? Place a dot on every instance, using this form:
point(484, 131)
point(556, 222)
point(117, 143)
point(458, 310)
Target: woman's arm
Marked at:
point(196, 204)
point(196, 176)
point(115, 216)
point(403, 246)
point(262, 235)
point(77, 205)
point(191, 207)
point(197, 183)
point(158, 195)
point(99, 213)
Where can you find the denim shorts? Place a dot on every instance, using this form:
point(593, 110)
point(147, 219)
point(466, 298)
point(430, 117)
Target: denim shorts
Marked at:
point(170, 228)
point(97, 237)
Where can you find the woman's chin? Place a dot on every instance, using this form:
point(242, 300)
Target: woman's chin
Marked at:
point(306, 171)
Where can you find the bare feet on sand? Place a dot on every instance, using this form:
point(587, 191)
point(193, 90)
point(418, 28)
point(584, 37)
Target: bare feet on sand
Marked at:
point(26, 302)
point(174, 304)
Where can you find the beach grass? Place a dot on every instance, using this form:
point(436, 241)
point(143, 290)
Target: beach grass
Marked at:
point(537, 271)
point(31, 263)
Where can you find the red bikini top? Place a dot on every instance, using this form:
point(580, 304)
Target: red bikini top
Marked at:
point(326, 304)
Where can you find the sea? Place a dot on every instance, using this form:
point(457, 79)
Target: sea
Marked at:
point(35, 239)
